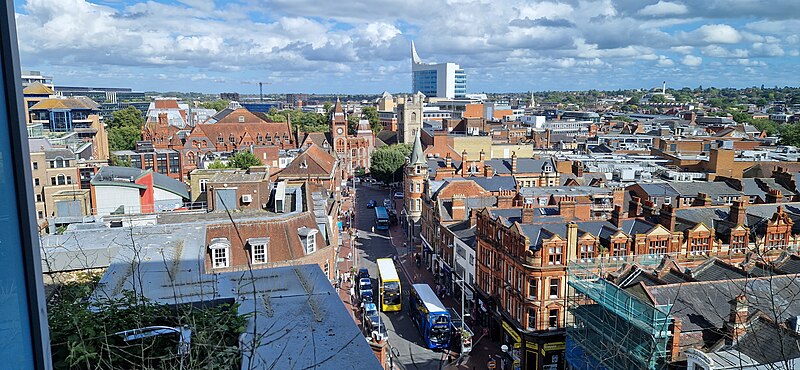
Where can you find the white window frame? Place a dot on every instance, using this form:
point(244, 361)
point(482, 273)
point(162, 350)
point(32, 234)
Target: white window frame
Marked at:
point(220, 258)
point(203, 184)
point(259, 250)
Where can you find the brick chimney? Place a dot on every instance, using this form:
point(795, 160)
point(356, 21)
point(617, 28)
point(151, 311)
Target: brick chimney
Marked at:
point(566, 208)
point(617, 216)
point(505, 198)
point(577, 168)
point(379, 349)
point(459, 207)
point(702, 200)
point(667, 217)
point(464, 164)
point(487, 171)
point(473, 217)
point(649, 208)
point(675, 342)
point(738, 212)
point(635, 207)
point(448, 161)
point(572, 241)
point(513, 163)
point(481, 158)
point(774, 196)
point(737, 319)
point(527, 213)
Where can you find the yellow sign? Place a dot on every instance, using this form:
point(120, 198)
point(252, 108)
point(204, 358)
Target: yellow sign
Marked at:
point(532, 345)
point(511, 332)
point(555, 346)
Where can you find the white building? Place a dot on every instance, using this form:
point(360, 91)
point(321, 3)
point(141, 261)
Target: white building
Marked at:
point(442, 80)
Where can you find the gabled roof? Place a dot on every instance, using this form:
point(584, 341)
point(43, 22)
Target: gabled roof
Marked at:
point(126, 176)
point(37, 88)
point(314, 161)
point(77, 102)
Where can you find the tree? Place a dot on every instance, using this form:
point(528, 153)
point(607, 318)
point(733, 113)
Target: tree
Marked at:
point(129, 116)
point(216, 105)
point(125, 129)
point(658, 99)
point(790, 134)
point(352, 124)
point(217, 165)
point(371, 114)
point(388, 161)
point(124, 138)
point(243, 160)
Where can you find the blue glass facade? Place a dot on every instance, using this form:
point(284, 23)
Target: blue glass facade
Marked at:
point(461, 83)
point(425, 82)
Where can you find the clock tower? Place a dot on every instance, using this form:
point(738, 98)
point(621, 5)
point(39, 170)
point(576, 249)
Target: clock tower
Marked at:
point(339, 129)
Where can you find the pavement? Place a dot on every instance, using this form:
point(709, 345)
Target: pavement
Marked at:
point(409, 351)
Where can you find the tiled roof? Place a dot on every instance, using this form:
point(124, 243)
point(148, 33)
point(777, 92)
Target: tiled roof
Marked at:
point(314, 161)
point(37, 88)
point(78, 102)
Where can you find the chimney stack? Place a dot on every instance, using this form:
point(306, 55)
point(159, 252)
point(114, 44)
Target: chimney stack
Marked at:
point(737, 318)
point(481, 157)
point(513, 163)
point(774, 196)
point(527, 213)
point(566, 208)
point(635, 207)
point(487, 171)
point(459, 208)
point(577, 168)
point(667, 217)
point(738, 212)
point(617, 216)
point(702, 200)
point(448, 161)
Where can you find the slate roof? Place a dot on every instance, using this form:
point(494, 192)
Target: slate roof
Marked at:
point(464, 232)
point(495, 183)
point(768, 343)
point(524, 165)
point(704, 305)
point(714, 270)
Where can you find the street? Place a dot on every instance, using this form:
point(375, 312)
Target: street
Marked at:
point(404, 337)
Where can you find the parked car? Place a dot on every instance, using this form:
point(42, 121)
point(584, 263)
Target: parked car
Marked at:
point(370, 309)
point(375, 327)
point(387, 203)
point(398, 195)
point(364, 285)
point(371, 204)
point(363, 273)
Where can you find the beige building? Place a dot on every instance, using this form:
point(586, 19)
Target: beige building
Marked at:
point(198, 181)
point(409, 117)
point(54, 170)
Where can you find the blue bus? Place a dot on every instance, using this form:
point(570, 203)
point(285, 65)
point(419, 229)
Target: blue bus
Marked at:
point(381, 218)
point(430, 315)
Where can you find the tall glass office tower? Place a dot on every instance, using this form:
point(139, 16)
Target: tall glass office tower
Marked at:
point(442, 80)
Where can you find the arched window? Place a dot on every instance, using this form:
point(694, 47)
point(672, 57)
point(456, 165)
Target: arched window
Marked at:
point(61, 179)
point(190, 157)
point(59, 162)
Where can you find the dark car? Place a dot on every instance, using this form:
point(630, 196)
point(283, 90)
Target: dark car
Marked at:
point(387, 203)
point(363, 273)
point(371, 204)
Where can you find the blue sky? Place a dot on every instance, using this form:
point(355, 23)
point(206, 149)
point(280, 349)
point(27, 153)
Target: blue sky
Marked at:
point(361, 46)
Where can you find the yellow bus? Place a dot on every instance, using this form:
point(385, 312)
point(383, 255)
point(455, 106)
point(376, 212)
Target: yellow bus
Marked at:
point(388, 286)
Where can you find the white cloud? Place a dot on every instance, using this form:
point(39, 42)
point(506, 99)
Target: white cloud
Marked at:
point(769, 50)
point(717, 51)
point(664, 61)
point(664, 8)
point(682, 49)
point(712, 34)
point(692, 61)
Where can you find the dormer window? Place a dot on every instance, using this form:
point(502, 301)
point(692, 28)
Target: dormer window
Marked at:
point(241, 119)
point(308, 238)
point(258, 249)
point(548, 168)
point(220, 252)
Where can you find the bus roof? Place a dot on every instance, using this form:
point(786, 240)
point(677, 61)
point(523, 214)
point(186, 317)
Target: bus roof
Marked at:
point(380, 212)
point(386, 270)
point(432, 302)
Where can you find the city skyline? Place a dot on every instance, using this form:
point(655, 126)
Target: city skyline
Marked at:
point(207, 46)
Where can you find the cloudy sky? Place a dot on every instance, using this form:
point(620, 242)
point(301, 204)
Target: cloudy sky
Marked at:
point(363, 46)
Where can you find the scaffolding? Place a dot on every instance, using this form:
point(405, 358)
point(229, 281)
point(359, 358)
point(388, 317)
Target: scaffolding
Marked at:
point(610, 328)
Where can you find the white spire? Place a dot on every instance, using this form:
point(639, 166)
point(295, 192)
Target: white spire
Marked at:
point(414, 57)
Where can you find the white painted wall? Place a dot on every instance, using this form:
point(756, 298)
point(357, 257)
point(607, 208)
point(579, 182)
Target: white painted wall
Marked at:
point(109, 198)
point(166, 201)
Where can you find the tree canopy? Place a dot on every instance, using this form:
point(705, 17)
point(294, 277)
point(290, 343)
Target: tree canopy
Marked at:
point(307, 121)
point(243, 160)
point(125, 129)
point(216, 105)
point(388, 161)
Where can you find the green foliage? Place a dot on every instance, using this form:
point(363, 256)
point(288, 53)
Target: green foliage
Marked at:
point(124, 129)
point(216, 105)
point(217, 165)
point(307, 121)
point(352, 124)
point(124, 138)
point(388, 161)
point(243, 160)
point(762, 124)
point(790, 134)
point(120, 161)
point(371, 114)
point(658, 99)
point(84, 339)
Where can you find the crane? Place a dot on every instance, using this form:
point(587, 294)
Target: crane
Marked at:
point(260, 88)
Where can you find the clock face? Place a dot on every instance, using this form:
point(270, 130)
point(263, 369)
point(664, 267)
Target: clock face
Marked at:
point(339, 131)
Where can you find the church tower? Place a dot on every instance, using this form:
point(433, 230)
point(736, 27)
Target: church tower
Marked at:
point(409, 117)
point(416, 171)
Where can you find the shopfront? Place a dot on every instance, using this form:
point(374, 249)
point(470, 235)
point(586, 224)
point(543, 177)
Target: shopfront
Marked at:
point(532, 351)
